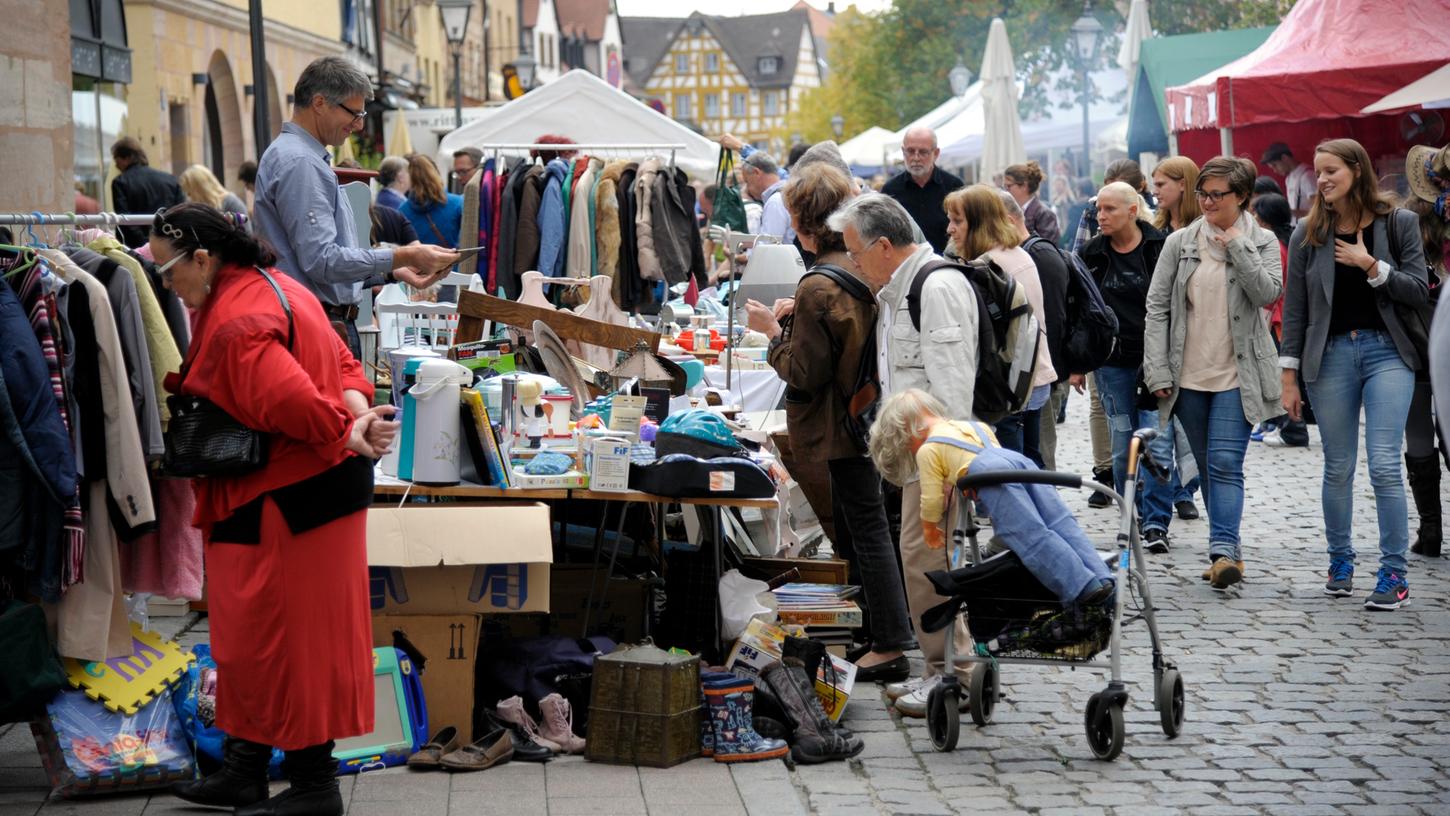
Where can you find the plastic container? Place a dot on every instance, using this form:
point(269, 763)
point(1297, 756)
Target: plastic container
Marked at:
point(436, 429)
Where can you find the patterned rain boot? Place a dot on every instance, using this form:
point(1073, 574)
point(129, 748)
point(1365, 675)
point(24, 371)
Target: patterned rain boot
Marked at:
point(729, 702)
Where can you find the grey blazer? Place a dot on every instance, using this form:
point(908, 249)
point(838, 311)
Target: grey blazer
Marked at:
point(1309, 292)
point(1255, 280)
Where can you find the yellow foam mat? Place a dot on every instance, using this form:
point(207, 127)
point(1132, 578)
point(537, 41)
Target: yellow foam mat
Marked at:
point(125, 684)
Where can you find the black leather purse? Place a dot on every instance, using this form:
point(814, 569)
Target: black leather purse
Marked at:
point(204, 441)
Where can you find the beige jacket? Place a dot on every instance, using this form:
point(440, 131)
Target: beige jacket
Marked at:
point(649, 262)
point(579, 263)
point(606, 219)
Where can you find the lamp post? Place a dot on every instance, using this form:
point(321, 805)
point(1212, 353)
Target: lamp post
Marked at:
point(525, 66)
point(838, 125)
point(455, 15)
point(960, 77)
point(1086, 33)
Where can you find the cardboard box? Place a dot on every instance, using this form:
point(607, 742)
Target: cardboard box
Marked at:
point(450, 645)
point(445, 560)
point(618, 613)
point(760, 645)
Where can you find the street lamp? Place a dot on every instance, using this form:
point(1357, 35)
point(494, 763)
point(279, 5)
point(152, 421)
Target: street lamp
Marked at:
point(838, 125)
point(525, 66)
point(1087, 32)
point(455, 15)
point(960, 77)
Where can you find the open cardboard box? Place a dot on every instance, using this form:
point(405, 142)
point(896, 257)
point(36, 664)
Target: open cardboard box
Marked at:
point(451, 560)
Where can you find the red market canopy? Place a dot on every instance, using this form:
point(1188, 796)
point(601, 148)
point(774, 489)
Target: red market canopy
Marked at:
point(1328, 59)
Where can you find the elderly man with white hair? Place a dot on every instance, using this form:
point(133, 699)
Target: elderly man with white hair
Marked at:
point(1122, 258)
point(922, 187)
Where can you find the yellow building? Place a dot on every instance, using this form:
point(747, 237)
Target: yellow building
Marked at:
point(190, 99)
point(719, 75)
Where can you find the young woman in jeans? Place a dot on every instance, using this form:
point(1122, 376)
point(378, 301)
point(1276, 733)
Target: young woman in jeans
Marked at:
point(1206, 350)
point(1354, 264)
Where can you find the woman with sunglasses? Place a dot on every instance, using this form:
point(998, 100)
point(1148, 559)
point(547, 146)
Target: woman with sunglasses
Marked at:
point(1356, 270)
point(1207, 353)
point(286, 554)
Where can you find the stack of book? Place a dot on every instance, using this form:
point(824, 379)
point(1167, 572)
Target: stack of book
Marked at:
point(825, 606)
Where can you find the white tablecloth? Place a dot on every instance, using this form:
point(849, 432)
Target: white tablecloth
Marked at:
point(761, 390)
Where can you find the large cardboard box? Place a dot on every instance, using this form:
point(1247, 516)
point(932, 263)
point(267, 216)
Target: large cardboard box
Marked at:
point(445, 560)
point(618, 613)
point(450, 644)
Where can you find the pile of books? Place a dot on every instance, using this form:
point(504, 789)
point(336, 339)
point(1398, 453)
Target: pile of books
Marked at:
point(818, 605)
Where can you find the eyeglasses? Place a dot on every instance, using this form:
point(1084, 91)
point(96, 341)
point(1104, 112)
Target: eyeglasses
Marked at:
point(164, 270)
point(917, 151)
point(357, 116)
point(1216, 196)
point(856, 256)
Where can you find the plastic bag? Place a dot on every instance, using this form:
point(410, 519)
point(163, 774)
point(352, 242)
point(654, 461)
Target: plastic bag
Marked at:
point(87, 749)
point(742, 600)
point(196, 707)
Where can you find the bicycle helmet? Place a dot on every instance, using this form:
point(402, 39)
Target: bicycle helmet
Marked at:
point(696, 432)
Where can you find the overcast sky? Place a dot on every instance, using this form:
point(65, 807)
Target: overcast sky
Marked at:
point(683, 8)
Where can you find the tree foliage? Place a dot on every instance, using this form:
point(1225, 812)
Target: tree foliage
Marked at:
point(891, 68)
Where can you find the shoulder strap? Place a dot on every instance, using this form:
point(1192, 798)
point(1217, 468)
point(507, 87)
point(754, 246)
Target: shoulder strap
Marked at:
point(853, 285)
point(1394, 236)
point(913, 296)
point(286, 309)
point(962, 443)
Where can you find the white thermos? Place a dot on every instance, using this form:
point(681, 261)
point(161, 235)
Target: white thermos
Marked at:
point(436, 431)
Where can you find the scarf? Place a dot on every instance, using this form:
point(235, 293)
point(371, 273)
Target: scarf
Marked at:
point(1212, 248)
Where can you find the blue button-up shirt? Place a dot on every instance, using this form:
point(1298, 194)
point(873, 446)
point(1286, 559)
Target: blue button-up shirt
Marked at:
point(303, 214)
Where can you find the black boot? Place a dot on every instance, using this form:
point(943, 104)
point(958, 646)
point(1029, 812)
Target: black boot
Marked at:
point(1424, 474)
point(1103, 476)
point(812, 656)
point(312, 773)
point(241, 781)
point(814, 738)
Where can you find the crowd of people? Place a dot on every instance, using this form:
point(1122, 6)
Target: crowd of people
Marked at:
point(1239, 303)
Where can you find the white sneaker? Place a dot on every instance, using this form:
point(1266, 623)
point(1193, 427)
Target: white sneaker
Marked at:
point(898, 690)
point(914, 704)
point(1274, 439)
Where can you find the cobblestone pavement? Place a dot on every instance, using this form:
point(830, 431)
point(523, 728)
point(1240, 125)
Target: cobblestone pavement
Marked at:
point(1297, 704)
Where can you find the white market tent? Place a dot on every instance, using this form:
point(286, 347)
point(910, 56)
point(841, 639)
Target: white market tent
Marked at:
point(962, 138)
point(584, 108)
point(1430, 91)
point(868, 148)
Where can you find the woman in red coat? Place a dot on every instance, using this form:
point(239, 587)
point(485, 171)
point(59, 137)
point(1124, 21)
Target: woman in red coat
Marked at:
point(286, 551)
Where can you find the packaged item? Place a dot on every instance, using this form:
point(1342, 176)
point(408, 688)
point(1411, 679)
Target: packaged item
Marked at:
point(761, 645)
point(88, 749)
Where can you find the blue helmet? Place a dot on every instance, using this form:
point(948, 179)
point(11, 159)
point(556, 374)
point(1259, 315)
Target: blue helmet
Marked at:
point(697, 432)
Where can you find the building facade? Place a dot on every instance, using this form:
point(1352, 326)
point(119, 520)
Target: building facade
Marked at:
point(719, 75)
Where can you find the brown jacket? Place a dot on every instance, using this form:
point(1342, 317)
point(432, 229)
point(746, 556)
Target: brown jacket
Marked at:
point(819, 356)
point(526, 244)
point(606, 218)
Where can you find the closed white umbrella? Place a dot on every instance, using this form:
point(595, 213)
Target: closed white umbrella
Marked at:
point(1139, 29)
point(1003, 143)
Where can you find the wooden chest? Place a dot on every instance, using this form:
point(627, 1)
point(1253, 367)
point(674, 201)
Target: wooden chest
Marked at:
point(644, 708)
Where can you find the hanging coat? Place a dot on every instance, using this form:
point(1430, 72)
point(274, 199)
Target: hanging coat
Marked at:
point(553, 220)
point(606, 221)
point(526, 239)
point(581, 232)
point(644, 186)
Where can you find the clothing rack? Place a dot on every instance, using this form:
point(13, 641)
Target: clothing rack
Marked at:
point(496, 149)
point(36, 219)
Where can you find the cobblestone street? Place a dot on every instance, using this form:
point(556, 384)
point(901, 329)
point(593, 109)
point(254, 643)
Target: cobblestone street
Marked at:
point(1297, 704)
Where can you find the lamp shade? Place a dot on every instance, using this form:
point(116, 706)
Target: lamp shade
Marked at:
point(1086, 32)
point(525, 66)
point(455, 19)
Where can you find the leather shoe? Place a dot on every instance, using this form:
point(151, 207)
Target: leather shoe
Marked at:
point(444, 742)
point(493, 749)
point(891, 671)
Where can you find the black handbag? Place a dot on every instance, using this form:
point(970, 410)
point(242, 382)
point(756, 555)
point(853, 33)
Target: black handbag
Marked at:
point(202, 440)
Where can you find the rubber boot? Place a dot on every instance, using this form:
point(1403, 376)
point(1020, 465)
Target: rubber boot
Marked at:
point(1424, 474)
point(814, 738)
point(729, 702)
point(1103, 476)
point(312, 773)
point(812, 655)
point(242, 780)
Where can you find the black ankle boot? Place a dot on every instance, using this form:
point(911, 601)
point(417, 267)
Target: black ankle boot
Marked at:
point(1424, 472)
point(242, 780)
point(312, 773)
point(1103, 476)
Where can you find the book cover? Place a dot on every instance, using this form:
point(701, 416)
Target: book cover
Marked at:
point(493, 456)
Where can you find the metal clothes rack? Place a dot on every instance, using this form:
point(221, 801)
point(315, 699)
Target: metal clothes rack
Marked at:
point(107, 219)
point(497, 149)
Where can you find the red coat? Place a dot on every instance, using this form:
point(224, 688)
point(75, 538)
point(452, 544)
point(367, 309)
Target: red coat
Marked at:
point(289, 613)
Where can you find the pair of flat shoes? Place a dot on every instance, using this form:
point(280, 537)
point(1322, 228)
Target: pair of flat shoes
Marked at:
point(444, 751)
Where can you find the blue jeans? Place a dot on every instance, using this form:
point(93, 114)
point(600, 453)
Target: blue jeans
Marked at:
point(1364, 368)
point(1218, 435)
point(1034, 522)
point(1118, 389)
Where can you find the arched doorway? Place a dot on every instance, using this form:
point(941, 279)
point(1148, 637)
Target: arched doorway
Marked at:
point(274, 103)
point(222, 142)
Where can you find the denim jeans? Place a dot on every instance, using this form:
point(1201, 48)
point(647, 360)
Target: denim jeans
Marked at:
point(1218, 435)
point(1364, 368)
point(1034, 522)
point(1118, 389)
point(864, 539)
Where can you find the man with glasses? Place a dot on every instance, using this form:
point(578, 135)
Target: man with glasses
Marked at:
point(303, 214)
point(922, 187)
point(465, 163)
point(941, 359)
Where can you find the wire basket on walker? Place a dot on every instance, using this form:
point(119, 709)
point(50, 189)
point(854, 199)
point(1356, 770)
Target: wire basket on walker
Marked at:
point(1014, 619)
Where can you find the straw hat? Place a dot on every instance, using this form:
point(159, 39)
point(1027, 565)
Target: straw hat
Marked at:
point(1428, 171)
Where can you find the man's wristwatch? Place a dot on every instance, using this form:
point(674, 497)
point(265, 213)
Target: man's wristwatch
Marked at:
point(390, 276)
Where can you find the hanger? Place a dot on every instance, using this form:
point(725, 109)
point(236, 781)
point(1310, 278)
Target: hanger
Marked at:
point(26, 260)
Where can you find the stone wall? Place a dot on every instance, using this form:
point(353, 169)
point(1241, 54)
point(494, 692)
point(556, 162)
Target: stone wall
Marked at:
point(36, 136)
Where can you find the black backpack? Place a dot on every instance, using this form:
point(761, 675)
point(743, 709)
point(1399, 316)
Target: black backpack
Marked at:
point(1092, 328)
point(1007, 336)
point(865, 393)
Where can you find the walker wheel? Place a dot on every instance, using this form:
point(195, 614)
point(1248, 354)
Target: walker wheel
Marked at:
point(1104, 724)
point(1170, 702)
point(943, 720)
point(982, 692)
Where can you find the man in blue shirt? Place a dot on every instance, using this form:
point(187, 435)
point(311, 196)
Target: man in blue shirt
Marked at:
point(303, 214)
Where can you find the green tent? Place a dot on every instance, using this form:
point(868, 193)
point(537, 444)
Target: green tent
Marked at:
point(1168, 61)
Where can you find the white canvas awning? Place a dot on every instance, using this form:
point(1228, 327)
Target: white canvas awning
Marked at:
point(1429, 91)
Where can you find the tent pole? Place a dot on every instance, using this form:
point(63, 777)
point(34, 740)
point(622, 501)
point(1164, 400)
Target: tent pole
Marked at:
point(1225, 141)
